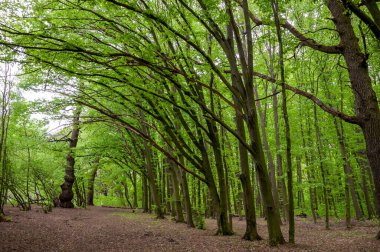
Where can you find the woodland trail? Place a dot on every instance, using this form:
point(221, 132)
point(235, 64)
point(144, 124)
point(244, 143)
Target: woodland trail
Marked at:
point(111, 229)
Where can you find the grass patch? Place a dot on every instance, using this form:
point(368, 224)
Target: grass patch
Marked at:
point(4, 218)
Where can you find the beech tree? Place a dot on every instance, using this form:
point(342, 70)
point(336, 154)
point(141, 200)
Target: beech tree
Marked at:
point(187, 89)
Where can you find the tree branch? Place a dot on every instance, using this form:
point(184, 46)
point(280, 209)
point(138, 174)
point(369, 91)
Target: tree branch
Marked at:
point(363, 17)
point(328, 109)
point(337, 49)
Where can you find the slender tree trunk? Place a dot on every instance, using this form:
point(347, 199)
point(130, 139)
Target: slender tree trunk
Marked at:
point(186, 195)
point(235, 198)
point(216, 207)
point(351, 183)
point(145, 190)
point(152, 182)
point(322, 168)
point(28, 170)
point(5, 117)
point(126, 193)
point(79, 193)
point(365, 191)
point(287, 126)
point(281, 180)
point(271, 212)
point(91, 181)
point(222, 182)
point(213, 134)
point(300, 194)
point(225, 165)
point(150, 198)
point(362, 161)
point(248, 194)
point(310, 159)
point(244, 86)
point(150, 173)
point(176, 194)
point(167, 193)
point(134, 183)
point(271, 166)
point(346, 175)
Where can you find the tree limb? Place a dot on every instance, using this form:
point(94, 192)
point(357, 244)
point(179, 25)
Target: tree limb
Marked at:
point(337, 49)
point(363, 17)
point(328, 109)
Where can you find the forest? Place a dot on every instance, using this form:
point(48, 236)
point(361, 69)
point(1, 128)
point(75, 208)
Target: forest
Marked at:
point(254, 122)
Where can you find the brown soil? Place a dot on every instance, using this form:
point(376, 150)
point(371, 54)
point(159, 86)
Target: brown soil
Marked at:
point(110, 229)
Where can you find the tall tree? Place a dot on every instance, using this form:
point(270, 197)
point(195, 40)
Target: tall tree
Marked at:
point(67, 187)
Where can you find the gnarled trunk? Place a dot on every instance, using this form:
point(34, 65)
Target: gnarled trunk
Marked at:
point(67, 187)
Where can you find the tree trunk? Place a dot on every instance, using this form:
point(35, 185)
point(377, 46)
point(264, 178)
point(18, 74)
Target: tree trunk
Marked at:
point(271, 212)
point(281, 180)
point(322, 167)
point(134, 183)
point(5, 117)
point(272, 170)
point(175, 186)
point(186, 195)
point(91, 180)
point(126, 193)
point(289, 170)
point(366, 103)
point(362, 161)
point(219, 208)
point(152, 182)
point(145, 196)
point(347, 173)
point(214, 137)
point(248, 195)
point(67, 187)
point(300, 194)
point(150, 174)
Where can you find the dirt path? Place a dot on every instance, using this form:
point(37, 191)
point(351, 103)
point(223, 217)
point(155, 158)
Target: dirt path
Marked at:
point(110, 229)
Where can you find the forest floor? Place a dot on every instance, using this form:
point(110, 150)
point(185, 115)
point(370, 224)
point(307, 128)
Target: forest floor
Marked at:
point(111, 229)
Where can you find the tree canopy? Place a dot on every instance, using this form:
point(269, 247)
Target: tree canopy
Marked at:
point(207, 107)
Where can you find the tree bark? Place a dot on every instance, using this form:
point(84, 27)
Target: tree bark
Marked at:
point(91, 180)
point(67, 187)
point(300, 194)
point(343, 153)
point(152, 182)
point(175, 186)
point(145, 193)
point(348, 169)
point(126, 193)
point(361, 159)
point(322, 167)
point(271, 166)
point(366, 103)
point(248, 195)
point(310, 159)
point(186, 195)
point(150, 173)
point(289, 170)
point(134, 183)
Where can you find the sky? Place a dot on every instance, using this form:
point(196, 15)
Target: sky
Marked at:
point(53, 125)
point(10, 72)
